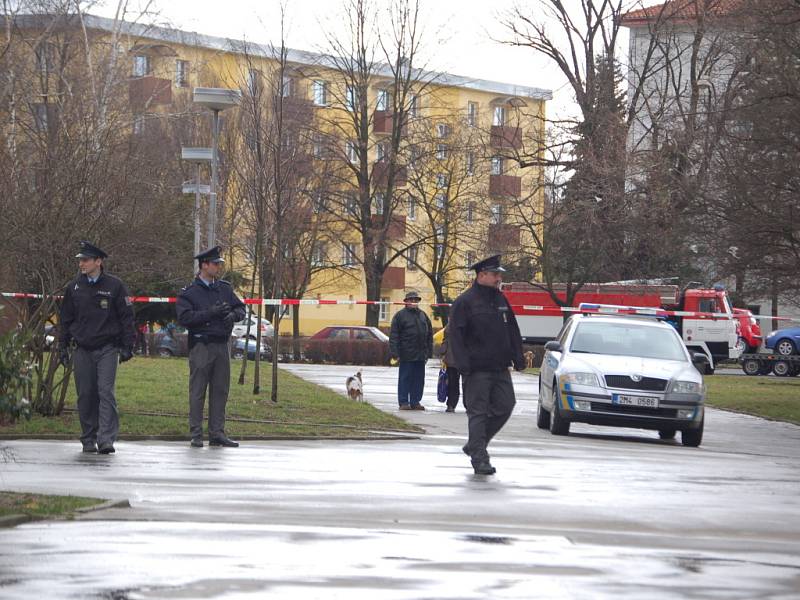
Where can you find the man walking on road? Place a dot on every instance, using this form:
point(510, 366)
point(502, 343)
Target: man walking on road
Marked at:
point(484, 340)
point(411, 342)
point(208, 308)
point(96, 315)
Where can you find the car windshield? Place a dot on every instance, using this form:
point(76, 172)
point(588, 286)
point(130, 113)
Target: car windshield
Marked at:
point(627, 339)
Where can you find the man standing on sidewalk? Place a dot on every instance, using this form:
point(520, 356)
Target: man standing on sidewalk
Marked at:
point(96, 315)
point(208, 308)
point(484, 339)
point(411, 342)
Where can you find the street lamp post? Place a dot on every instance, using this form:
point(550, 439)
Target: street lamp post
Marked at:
point(197, 156)
point(216, 100)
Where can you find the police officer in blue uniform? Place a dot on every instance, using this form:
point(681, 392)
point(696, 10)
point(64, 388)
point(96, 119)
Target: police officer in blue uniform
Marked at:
point(484, 339)
point(96, 321)
point(208, 308)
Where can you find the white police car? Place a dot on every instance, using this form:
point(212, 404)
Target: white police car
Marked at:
point(623, 371)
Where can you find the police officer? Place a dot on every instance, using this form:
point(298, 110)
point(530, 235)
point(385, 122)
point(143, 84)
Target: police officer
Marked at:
point(97, 317)
point(484, 340)
point(208, 308)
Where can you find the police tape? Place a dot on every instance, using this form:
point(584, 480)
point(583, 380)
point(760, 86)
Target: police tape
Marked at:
point(554, 311)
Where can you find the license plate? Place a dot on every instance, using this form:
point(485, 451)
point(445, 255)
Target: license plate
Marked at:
point(646, 401)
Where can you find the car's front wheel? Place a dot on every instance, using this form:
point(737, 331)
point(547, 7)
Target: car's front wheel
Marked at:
point(785, 348)
point(238, 354)
point(164, 352)
point(693, 437)
point(558, 424)
point(542, 415)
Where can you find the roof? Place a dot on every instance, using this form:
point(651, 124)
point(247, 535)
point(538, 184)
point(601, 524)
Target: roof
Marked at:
point(681, 10)
point(294, 57)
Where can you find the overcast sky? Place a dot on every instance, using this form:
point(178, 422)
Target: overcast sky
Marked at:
point(459, 34)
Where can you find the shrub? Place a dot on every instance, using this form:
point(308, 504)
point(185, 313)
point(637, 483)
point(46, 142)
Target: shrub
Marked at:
point(15, 377)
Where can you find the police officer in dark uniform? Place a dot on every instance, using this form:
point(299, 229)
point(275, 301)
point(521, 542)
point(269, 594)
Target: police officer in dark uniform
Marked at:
point(97, 318)
point(484, 340)
point(208, 308)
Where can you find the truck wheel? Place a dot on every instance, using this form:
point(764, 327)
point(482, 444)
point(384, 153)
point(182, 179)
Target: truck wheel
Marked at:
point(785, 348)
point(751, 366)
point(558, 425)
point(542, 415)
point(782, 368)
point(693, 437)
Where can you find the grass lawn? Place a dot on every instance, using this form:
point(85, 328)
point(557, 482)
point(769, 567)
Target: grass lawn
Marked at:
point(152, 396)
point(40, 506)
point(771, 397)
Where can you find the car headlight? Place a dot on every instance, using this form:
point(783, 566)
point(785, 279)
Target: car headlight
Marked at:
point(580, 379)
point(686, 387)
point(771, 333)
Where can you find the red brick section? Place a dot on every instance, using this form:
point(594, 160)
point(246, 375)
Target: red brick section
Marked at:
point(679, 10)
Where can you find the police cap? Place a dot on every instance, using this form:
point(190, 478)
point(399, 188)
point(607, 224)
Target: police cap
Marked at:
point(489, 264)
point(210, 255)
point(89, 250)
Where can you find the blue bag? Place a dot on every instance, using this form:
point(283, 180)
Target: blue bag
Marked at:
point(441, 387)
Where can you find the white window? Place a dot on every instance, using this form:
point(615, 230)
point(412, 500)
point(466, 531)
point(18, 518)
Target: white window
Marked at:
point(441, 201)
point(470, 163)
point(141, 65)
point(499, 118)
point(40, 113)
point(414, 154)
point(380, 151)
point(470, 213)
point(181, 73)
point(320, 254)
point(441, 180)
point(496, 214)
point(44, 57)
point(350, 98)
point(287, 86)
point(442, 130)
point(412, 254)
point(319, 202)
point(253, 81)
point(383, 314)
point(470, 256)
point(377, 203)
point(411, 209)
point(439, 251)
point(319, 92)
point(352, 152)
point(497, 165)
point(383, 100)
point(413, 106)
point(472, 113)
point(317, 146)
point(350, 205)
point(441, 151)
point(138, 124)
point(348, 254)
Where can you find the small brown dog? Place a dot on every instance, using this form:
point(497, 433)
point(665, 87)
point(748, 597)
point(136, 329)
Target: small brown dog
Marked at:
point(528, 359)
point(354, 387)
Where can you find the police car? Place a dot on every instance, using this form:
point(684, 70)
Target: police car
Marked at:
point(623, 367)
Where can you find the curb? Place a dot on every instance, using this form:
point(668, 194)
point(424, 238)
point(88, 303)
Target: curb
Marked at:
point(104, 505)
point(14, 520)
point(412, 435)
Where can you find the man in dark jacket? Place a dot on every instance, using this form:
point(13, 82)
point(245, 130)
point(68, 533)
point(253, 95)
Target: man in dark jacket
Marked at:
point(411, 342)
point(96, 315)
point(484, 339)
point(208, 308)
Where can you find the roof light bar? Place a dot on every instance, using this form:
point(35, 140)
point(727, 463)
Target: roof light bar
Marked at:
point(615, 309)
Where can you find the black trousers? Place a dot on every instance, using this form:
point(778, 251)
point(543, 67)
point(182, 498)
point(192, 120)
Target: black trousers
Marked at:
point(489, 400)
point(453, 387)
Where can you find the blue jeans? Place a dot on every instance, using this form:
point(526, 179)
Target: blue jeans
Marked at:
point(411, 382)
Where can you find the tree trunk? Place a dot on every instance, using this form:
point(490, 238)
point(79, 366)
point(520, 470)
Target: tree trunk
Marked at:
point(296, 332)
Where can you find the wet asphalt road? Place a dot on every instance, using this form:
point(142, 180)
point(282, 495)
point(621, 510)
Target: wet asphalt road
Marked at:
point(603, 513)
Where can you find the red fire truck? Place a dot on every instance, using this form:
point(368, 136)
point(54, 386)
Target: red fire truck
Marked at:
point(703, 316)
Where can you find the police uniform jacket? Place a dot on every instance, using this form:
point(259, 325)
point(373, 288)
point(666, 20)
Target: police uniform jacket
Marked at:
point(97, 314)
point(482, 332)
point(411, 336)
point(194, 304)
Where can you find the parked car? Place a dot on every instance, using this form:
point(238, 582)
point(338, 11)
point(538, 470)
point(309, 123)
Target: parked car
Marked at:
point(748, 329)
point(240, 327)
point(622, 371)
point(165, 344)
point(238, 349)
point(784, 341)
point(345, 344)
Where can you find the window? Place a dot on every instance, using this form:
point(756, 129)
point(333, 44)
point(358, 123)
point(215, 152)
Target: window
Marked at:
point(497, 165)
point(383, 100)
point(442, 130)
point(253, 81)
point(413, 106)
point(414, 154)
point(470, 163)
point(496, 214)
point(439, 251)
point(352, 153)
point(40, 114)
point(441, 151)
point(470, 256)
point(320, 254)
point(362, 334)
point(441, 180)
point(319, 203)
point(380, 151)
point(472, 113)
point(141, 65)
point(411, 209)
point(44, 57)
point(317, 146)
point(339, 333)
point(499, 118)
point(383, 315)
point(287, 86)
point(348, 254)
point(441, 201)
point(470, 213)
point(377, 203)
point(138, 124)
point(350, 98)
point(350, 205)
point(412, 254)
point(182, 73)
point(319, 92)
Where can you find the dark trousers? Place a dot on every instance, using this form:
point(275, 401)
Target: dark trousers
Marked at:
point(489, 400)
point(209, 369)
point(453, 387)
point(95, 376)
point(410, 382)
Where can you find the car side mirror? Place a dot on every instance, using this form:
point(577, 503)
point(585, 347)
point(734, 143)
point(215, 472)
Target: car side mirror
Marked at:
point(699, 359)
point(554, 346)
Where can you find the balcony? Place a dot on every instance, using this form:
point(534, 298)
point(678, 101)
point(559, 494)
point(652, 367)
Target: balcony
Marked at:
point(297, 110)
point(505, 185)
point(380, 174)
point(396, 228)
point(382, 121)
point(506, 137)
point(145, 92)
point(503, 237)
point(394, 278)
